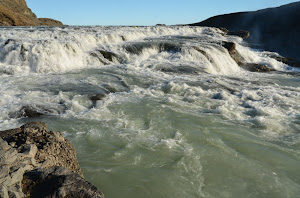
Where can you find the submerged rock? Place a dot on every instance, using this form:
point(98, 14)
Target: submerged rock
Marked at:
point(26, 112)
point(254, 67)
point(179, 70)
point(137, 48)
point(287, 61)
point(40, 163)
point(29, 112)
point(106, 57)
point(9, 40)
point(97, 97)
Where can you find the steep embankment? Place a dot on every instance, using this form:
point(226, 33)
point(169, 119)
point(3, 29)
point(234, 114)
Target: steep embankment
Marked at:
point(275, 29)
point(17, 13)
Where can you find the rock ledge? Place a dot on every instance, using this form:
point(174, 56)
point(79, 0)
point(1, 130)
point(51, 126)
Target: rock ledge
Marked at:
point(35, 162)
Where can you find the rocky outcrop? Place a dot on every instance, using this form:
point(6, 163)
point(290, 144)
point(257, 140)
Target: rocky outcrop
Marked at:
point(35, 162)
point(236, 56)
point(275, 29)
point(287, 61)
point(17, 13)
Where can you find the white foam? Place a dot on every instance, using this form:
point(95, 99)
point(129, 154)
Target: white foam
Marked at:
point(66, 49)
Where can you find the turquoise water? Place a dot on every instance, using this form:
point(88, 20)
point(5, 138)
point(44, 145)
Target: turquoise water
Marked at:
point(204, 129)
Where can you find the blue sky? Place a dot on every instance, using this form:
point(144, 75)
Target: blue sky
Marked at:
point(142, 12)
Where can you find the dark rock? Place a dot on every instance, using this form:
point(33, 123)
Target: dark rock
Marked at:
point(29, 112)
point(230, 46)
point(9, 133)
point(241, 33)
point(169, 47)
point(8, 41)
point(109, 89)
point(275, 29)
point(97, 97)
point(235, 55)
point(288, 61)
point(224, 30)
point(179, 70)
point(23, 53)
point(34, 112)
point(204, 54)
point(106, 57)
point(123, 38)
point(254, 67)
point(57, 182)
point(218, 96)
point(137, 48)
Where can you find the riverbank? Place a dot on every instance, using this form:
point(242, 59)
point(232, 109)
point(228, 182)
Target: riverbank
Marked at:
point(36, 162)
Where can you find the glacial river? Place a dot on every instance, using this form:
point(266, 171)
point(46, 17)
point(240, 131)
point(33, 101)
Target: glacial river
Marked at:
point(176, 115)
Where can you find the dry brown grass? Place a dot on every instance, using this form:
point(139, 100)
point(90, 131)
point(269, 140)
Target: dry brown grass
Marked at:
point(7, 17)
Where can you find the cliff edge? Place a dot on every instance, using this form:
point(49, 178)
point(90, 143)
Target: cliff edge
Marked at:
point(17, 13)
point(274, 29)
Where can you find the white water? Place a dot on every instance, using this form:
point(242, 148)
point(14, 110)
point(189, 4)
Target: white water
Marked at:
point(183, 119)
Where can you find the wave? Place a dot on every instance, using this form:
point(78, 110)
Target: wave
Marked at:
point(48, 50)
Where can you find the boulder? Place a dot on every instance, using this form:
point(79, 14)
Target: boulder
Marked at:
point(235, 55)
point(57, 182)
point(230, 46)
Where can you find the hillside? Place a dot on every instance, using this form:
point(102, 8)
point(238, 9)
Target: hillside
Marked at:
point(275, 29)
point(17, 13)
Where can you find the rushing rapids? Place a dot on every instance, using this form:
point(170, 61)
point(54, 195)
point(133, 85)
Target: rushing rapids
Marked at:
point(158, 111)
